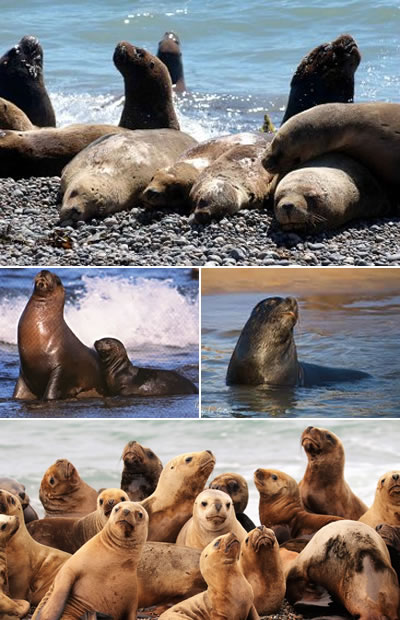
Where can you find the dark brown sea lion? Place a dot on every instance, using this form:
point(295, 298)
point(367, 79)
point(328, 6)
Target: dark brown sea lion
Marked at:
point(54, 363)
point(323, 488)
point(386, 506)
point(63, 493)
point(169, 52)
point(22, 83)
point(142, 469)
point(11, 117)
point(391, 536)
point(122, 378)
point(18, 489)
point(9, 608)
point(236, 486)
point(266, 351)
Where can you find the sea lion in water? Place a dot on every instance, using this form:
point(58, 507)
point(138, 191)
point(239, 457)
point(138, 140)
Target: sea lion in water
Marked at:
point(112, 172)
point(352, 562)
point(280, 503)
point(323, 488)
point(63, 493)
point(266, 351)
point(169, 52)
point(9, 608)
point(385, 508)
point(54, 363)
point(213, 515)
point(18, 489)
point(11, 117)
point(122, 378)
point(22, 83)
point(142, 469)
point(236, 486)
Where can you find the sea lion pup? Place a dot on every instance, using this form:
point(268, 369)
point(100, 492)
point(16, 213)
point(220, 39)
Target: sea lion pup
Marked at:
point(63, 493)
point(385, 508)
point(324, 75)
point(213, 515)
point(229, 594)
point(352, 562)
point(323, 488)
point(261, 564)
point(11, 117)
point(68, 533)
point(148, 89)
point(9, 608)
point(122, 378)
point(31, 566)
point(111, 173)
point(280, 502)
point(18, 489)
point(266, 352)
point(22, 83)
point(171, 504)
point(142, 469)
point(54, 363)
point(102, 575)
point(169, 52)
point(236, 486)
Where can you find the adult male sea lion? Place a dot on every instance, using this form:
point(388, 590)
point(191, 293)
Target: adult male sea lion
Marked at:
point(63, 493)
point(236, 486)
point(142, 469)
point(266, 351)
point(11, 117)
point(18, 489)
point(9, 608)
point(54, 363)
point(386, 506)
point(122, 378)
point(169, 52)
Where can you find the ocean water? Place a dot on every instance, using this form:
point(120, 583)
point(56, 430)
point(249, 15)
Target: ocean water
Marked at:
point(239, 57)
point(154, 312)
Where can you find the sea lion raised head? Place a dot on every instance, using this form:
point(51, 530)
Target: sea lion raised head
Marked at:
point(48, 284)
point(169, 52)
point(142, 469)
point(386, 506)
point(64, 493)
point(235, 486)
point(16, 488)
point(108, 498)
point(318, 443)
point(128, 520)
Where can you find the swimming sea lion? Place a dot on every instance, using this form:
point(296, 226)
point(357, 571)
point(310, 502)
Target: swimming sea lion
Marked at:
point(122, 378)
point(63, 493)
point(18, 489)
point(142, 469)
point(54, 363)
point(236, 486)
point(386, 506)
point(323, 488)
point(8, 607)
point(11, 117)
point(169, 52)
point(22, 83)
point(266, 351)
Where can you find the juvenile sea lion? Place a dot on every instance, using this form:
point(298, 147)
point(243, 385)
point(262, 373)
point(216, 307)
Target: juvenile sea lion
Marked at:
point(323, 488)
point(54, 363)
point(22, 83)
point(266, 351)
point(142, 469)
point(18, 489)
point(63, 493)
point(213, 515)
point(122, 378)
point(280, 503)
point(236, 486)
point(169, 52)
point(11, 117)
point(385, 508)
point(171, 504)
point(9, 608)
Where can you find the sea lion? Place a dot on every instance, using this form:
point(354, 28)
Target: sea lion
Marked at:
point(22, 83)
point(102, 575)
point(391, 536)
point(326, 74)
point(18, 489)
point(385, 508)
point(261, 564)
point(323, 488)
point(142, 469)
point(229, 594)
point(11, 117)
point(171, 504)
point(122, 378)
point(352, 562)
point(213, 515)
point(236, 486)
point(327, 192)
point(266, 352)
point(148, 89)
point(112, 172)
point(280, 502)
point(9, 608)
point(54, 363)
point(169, 52)
point(68, 533)
point(31, 566)
point(63, 493)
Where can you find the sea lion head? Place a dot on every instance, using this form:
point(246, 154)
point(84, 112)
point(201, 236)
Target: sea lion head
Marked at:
point(169, 52)
point(186, 474)
point(142, 69)
point(389, 487)
point(24, 60)
point(108, 498)
point(217, 196)
point(258, 541)
point(128, 521)
point(235, 486)
point(322, 445)
point(16, 488)
point(110, 350)
point(60, 479)
point(10, 505)
point(137, 458)
point(272, 483)
point(298, 204)
point(218, 555)
point(48, 284)
point(390, 534)
point(86, 197)
point(8, 526)
point(170, 187)
point(213, 509)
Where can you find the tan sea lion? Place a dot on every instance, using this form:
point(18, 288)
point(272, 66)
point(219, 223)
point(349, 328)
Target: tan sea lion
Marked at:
point(386, 506)
point(229, 594)
point(54, 363)
point(63, 493)
point(323, 488)
point(9, 608)
point(102, 575)
point(261, 564)
point(213, 515)
point(280, 503)
point(169, 52)
point(142, 469)
point(18, 489)
point(171, 504)
point(352, 562)
point(11, 117)
point(236, 486)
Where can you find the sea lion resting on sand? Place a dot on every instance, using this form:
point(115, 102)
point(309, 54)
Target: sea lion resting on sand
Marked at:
point(18, 489)
point(236, 486)
point(142, 469)
point(385, 508)
point(9, 608)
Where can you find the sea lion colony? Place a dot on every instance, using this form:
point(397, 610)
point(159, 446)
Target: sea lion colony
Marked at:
point(111, 567)
point(209, 180)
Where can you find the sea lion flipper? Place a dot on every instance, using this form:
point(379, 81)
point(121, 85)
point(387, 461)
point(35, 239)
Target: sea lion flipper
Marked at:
point(13, 607)
point(21, 390)
point(253, 615)
point(55, 604)
point(54, 390)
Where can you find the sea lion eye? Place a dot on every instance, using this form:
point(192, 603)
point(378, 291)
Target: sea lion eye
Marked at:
point(101, 502)
point(328, 436)
point(172, 466)
point(228, 505)
point(383, 480)
point(247, 541)
point(274, 477)
point(3, 527)
point(217, 543)
point(52, 481)
point(150, 454)
point(122, 499)
point(140, 515)
point(13, 501)
point(116, 509)
point(152, 65)
point(188, 459)
point(204, 503)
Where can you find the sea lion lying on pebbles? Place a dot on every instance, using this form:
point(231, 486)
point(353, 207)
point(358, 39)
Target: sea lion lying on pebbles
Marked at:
point(9, 608)
point(385, 508)
point(18, 489)
point(169, 52)
point(142, 469)
point(63, 493)
point(236, 486)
